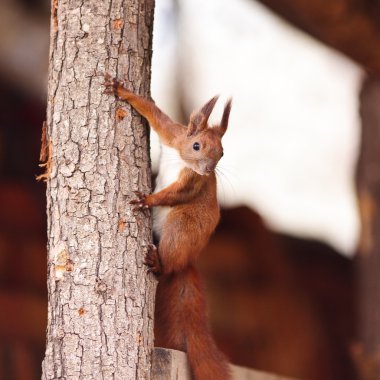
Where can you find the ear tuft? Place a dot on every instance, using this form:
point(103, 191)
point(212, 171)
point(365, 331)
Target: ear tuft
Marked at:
point(226, 115)
point(198, 119)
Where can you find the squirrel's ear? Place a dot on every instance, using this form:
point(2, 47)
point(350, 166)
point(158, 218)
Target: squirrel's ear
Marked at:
point(226, 115)
point(198, 119)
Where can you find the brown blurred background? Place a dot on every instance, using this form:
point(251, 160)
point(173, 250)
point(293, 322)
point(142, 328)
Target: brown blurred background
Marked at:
point(278, 303)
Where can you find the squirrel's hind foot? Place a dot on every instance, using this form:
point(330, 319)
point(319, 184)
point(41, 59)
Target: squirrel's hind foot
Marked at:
point(152, 260)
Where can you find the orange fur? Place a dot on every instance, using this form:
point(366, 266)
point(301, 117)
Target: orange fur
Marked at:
point(181, 324)
point(181, 321)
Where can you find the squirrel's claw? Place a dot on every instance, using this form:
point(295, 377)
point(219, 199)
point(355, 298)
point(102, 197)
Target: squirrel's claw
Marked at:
point(139, 202)
point(112, 85)
point(152, 260)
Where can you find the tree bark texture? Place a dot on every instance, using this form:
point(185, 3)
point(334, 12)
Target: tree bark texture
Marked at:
point(368, 182)
point(101, 300)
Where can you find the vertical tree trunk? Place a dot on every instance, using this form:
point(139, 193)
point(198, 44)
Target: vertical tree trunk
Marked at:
point(368, 181)
point(100, 319)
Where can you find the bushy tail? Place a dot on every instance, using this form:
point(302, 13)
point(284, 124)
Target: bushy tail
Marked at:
point(181, 324)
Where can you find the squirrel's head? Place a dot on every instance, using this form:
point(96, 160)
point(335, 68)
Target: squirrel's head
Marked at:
point(202, 148)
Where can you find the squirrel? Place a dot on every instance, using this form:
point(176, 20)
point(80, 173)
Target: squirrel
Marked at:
point(185, 214)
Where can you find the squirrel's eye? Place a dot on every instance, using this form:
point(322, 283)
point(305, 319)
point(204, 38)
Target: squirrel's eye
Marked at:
point(196, 146)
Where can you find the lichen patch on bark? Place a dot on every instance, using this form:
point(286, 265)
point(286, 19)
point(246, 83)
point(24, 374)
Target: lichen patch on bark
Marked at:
point(61, 261)
point(120, 114)
point(118, 24)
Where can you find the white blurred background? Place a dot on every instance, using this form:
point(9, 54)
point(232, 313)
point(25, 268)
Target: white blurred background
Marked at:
point(292, 145)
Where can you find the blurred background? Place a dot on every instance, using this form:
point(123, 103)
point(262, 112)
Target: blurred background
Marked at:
point(291, 271)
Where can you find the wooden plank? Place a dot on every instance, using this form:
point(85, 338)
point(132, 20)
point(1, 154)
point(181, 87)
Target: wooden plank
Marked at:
point(242, 373)
point(169, 365)
point(173, 365)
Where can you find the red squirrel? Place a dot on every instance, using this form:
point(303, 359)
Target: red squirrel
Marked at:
point(185, 214)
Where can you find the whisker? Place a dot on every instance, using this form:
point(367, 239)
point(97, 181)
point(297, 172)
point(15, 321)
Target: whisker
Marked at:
point(225, 178)
point(220, 182)
point(230, 173)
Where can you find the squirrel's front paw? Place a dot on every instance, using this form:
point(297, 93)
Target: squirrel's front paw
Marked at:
point(152, 260)
point(112, 85)
point(140, 202)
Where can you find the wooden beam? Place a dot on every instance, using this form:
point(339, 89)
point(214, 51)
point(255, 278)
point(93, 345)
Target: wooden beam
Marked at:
point(173, 365)
point(350, 26)
point(367, 350)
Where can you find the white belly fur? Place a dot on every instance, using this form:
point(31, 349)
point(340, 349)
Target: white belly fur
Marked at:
point(170, 166)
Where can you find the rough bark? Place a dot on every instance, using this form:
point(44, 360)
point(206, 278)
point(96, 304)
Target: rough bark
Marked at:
point(368, 182)
point(100, 318)
point(351, 26)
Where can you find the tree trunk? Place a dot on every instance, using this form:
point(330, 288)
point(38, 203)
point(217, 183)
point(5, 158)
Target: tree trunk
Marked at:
point(101, 300)
point(368, 181)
